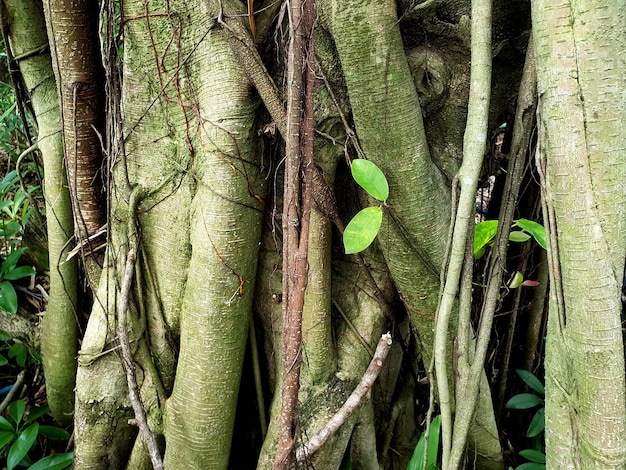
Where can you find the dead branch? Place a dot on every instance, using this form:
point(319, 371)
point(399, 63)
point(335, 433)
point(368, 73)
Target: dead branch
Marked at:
point(319, 439)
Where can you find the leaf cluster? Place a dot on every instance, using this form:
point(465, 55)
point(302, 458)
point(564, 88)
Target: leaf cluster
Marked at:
point(18, 434)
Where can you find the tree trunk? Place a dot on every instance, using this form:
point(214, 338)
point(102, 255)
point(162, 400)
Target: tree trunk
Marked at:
point(580, 84)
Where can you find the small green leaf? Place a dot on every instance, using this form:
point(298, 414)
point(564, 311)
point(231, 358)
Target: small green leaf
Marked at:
point(362, 230)
point(535, 229)
point(370, 178)
point(417, 459)
point(8, 297)
point(5, 425)
point(22, 445)
point(19, 273)
point(19, 352)
point(516, 280)
point(37, 413)
point(531, 466)
point(530, 380)
point(54, 432)
point(523, 401)
point(483, 234)
point(533, 455)
point(16, 411)
point(518, 236)
point(537, 424)
point(3, 360)
point(11, 261)
point(6, 437)
point(54, 462)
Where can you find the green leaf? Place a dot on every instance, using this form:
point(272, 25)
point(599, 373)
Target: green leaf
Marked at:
point(535, 229)
point(530, 380)
point(19, 352)
point(370, 178)
point(483, 234)
point(519, 236)
point(19, 273)
point(37, 413)
point(54, 462)
point(537, 424)
point(54, 432)
point(362, 230)
point(523, 401)
point(531, 466)
point(6, 437)
point(417, 459)
point(3, 360)
point(11, 261)
point(16, 411)
point(8, 297)
point(22, 445)
point(533, 455)
point(516, 280)
point(5, 425)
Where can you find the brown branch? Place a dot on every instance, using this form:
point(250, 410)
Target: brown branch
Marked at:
point(295, 222)
point(127, 357)
point(353, 401)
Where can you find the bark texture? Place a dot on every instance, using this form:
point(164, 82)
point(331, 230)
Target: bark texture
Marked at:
point(579, 51)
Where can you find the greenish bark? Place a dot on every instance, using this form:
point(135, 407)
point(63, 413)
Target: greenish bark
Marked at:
point(59, 329)
point(579, 50)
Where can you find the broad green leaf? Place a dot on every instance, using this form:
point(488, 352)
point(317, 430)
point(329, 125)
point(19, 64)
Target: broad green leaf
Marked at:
point(417, 459)
point(5, 425)
point(3, 360)
point(22, 445)
point(535, 229)
point(5, 438)
point(11, 260)
point(19, 273)
point(537, 424)
point(8, 297)
point(483, 234)
point(370, 178)
point(533, 455)
point(54, 432)
point(37, 413)
point(54, 462)
point(523, 401)
point(16, 410)
point(531, 466)
point(19, 352)
point(518, 236)
point(362, 229)
point(530, 380)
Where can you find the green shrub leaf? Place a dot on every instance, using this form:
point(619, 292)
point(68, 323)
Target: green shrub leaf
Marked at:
point(54, 462)
point(523, 401)
point(37, 413)
point(54, 432)
point(19, 273)
point(6, 437)
point(417, 459)
point(533, 455)
point(535, 229)
point(530, 380)
point(537, 424)
point(8, 297)
point(5, 425)
point(370, 178)
point(16, 411)
point(22, 445)
point(362, 230)
point(518, 236)
point(483, 234)
point(531, 466)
